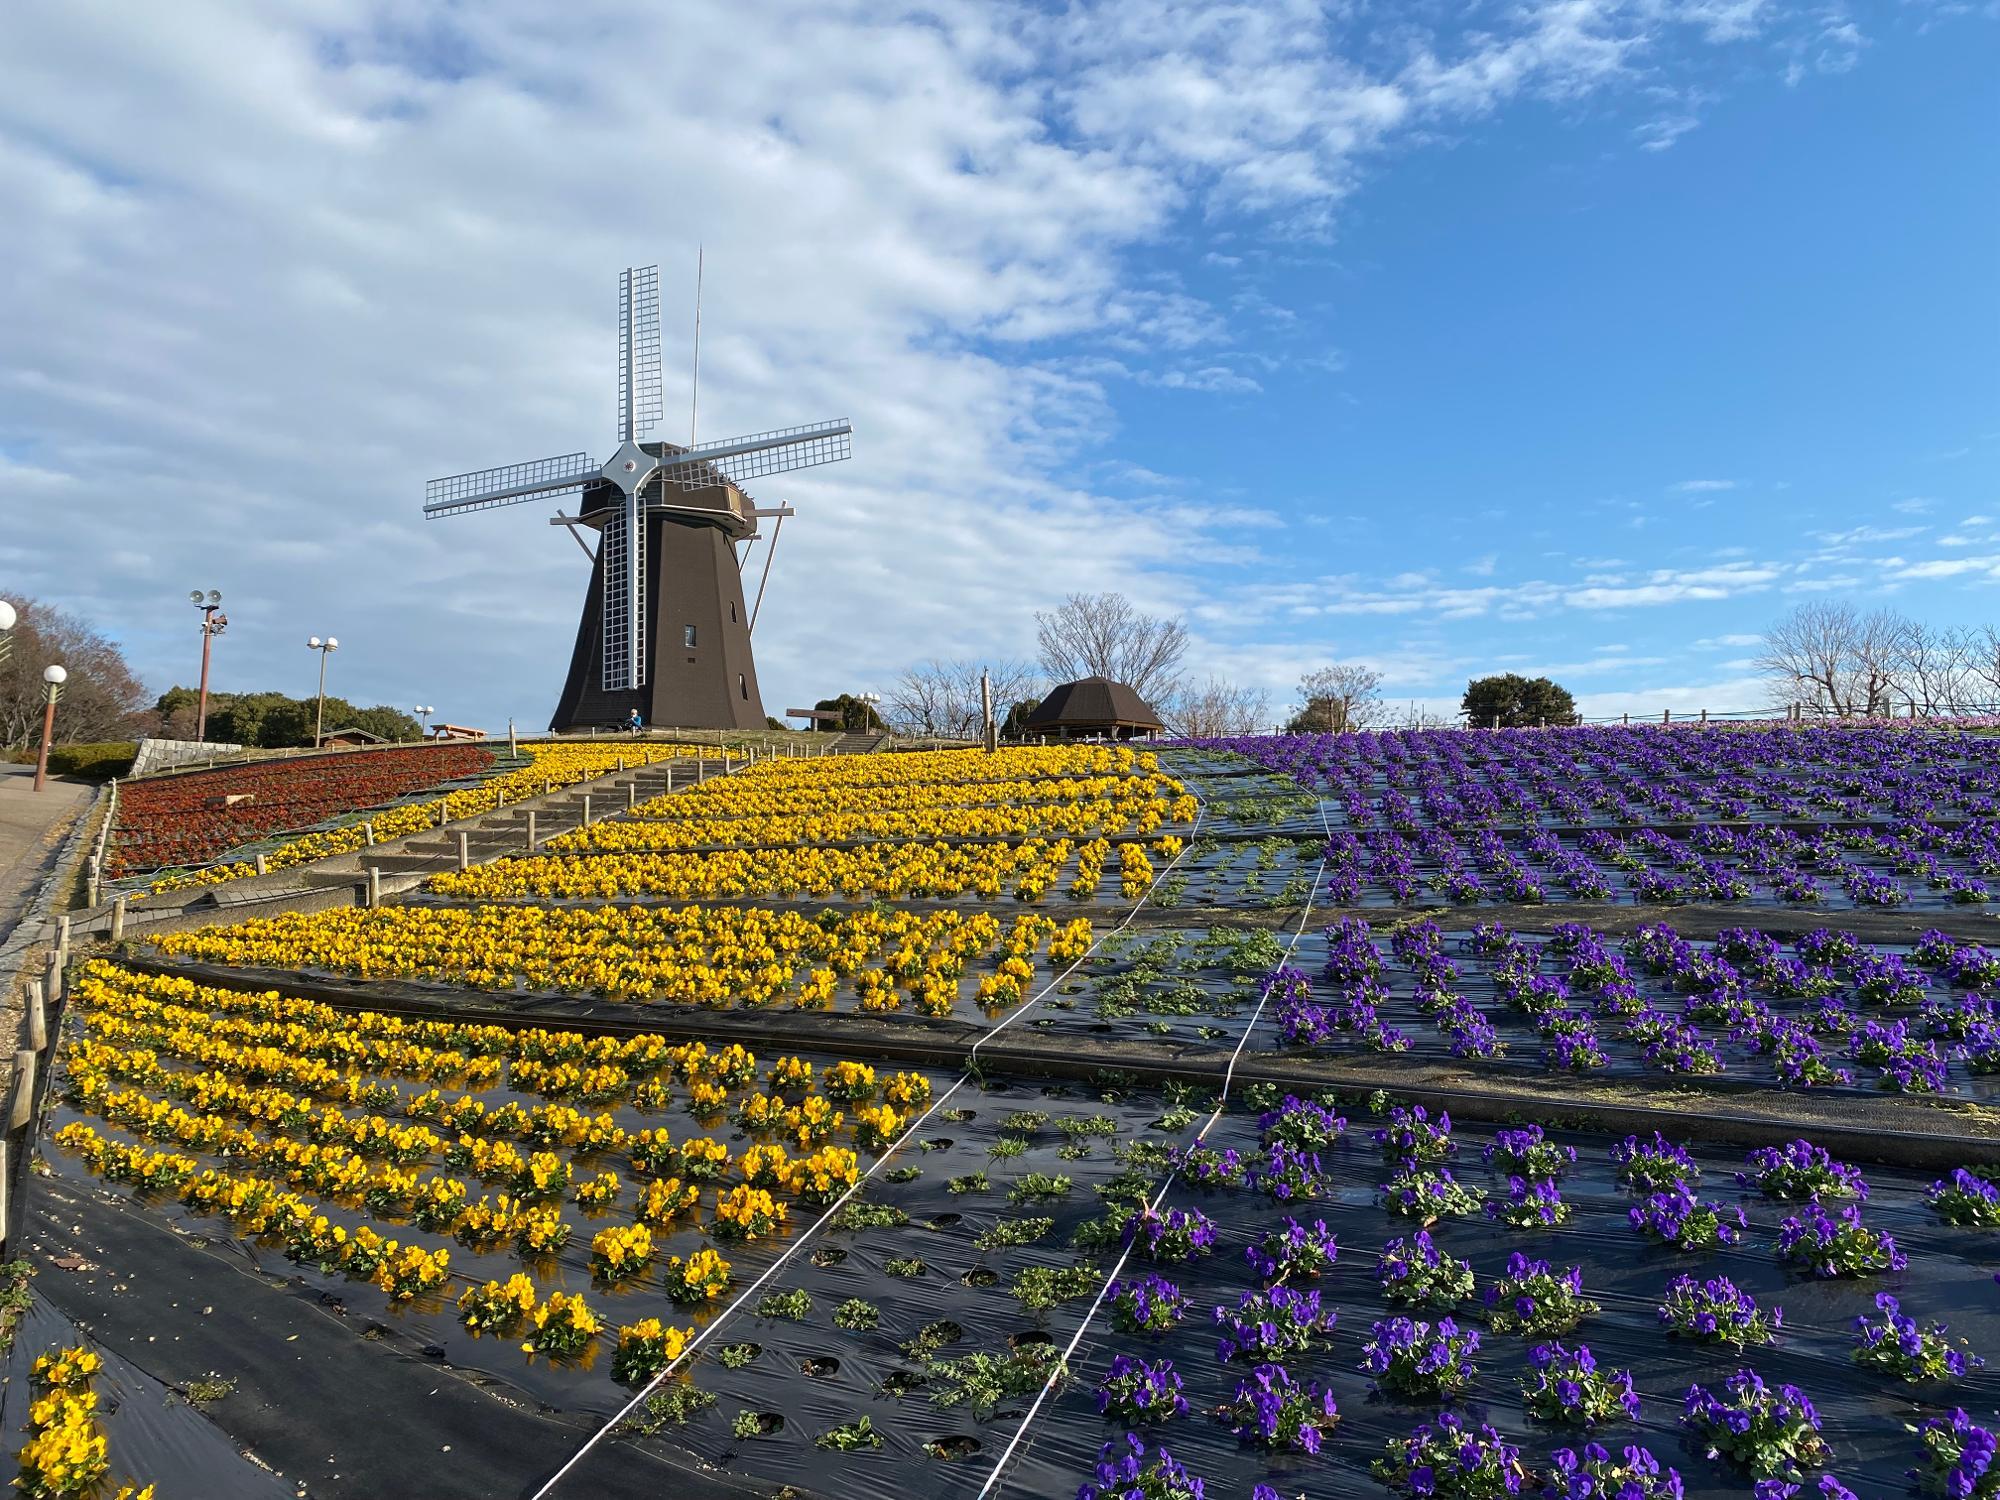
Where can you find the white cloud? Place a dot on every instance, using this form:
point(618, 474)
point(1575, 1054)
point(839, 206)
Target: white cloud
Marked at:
point(268, 269)
point(1697, 486)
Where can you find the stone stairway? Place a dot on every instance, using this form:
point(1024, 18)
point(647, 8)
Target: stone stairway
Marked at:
point(506, 831)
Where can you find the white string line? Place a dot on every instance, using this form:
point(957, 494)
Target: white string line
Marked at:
point(1062, 1364)
point(798, 1242)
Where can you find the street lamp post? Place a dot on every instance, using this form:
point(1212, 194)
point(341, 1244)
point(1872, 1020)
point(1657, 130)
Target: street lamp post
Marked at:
point(319, 713)
point(425, 713)
point(213, 623)
point(7, 619)
point(55, 677)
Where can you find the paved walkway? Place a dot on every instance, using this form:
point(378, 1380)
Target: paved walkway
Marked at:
point(32, 824)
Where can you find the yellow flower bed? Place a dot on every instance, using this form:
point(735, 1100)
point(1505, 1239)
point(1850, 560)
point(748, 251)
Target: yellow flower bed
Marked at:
point(717, 957)
point(562, 765)
point(889, 872)
point(754, 810)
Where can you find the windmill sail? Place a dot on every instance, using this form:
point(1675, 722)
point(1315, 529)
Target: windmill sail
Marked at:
point(510, 484)
point(623, 559)
point(745, 458)
point(638, 352)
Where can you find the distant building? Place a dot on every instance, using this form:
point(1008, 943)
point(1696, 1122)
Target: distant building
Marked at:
point(1093, 708)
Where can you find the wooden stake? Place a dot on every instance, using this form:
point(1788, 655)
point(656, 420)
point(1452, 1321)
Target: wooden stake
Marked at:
point(23, 1109)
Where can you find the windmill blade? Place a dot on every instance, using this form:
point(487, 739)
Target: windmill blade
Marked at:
point(746, 458)
point(638, 352)
point(511, 484)
point(622, 554)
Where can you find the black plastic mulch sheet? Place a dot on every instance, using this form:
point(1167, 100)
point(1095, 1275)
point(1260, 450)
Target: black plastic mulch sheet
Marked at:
point(1193, 986)
point(1624, 1057)
point(1864, 1413)
point(810, 1374)
point(151, 1435)
point(816, 1376)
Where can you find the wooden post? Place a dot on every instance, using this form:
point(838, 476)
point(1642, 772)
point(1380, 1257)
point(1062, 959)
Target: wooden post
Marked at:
point(1666, 716)
point(62, 938)
point(1626, 717)
point(1704, 716)
point(586, 809)
point(621, 765)
point(55, 977)
point(374, 887)
point(631, 795)
point(23, 1109)
point(531, 830)
point(38, 1017)
point(368, 834)
point(118, 919)
point(464, 850)
point(263, 865)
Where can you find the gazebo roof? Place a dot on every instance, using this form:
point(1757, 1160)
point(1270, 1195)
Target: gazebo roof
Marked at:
point(1093, 703)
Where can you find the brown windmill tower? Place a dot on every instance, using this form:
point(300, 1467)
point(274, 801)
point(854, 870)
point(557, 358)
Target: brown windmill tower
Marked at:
point(665, 628)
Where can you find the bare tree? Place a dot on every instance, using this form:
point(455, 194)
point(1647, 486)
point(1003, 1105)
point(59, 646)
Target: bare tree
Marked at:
point(1982, 665)
point(1339, 699)
point(941, 698)
point(1833, 662)
point(1213, 708)
point(1102, 635)
point(1934, 669)
point(101, 700)
point(1414, 715)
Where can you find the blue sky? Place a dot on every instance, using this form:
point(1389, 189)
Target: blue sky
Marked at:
point(1575, 336)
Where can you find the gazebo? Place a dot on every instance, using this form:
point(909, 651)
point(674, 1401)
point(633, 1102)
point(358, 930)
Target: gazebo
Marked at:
point(1092, 708)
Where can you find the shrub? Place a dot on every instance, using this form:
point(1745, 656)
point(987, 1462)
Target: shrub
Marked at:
point(99, 762)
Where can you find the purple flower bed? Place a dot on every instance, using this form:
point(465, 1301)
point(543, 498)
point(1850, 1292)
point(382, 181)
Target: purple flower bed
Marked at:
point(1430, 818)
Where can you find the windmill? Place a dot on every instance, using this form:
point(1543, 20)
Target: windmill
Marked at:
point(664, 628)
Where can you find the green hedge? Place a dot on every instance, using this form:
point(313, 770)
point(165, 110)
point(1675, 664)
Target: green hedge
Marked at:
point(93, 762)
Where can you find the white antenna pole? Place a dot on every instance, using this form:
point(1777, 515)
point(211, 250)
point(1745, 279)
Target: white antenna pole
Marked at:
point(694, 401)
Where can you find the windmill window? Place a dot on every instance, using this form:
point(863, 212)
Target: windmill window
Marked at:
point(687, 636)
point(732, 611)
point(743, 686)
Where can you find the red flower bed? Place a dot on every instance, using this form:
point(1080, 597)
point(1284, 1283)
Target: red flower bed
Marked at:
point(185, 820)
